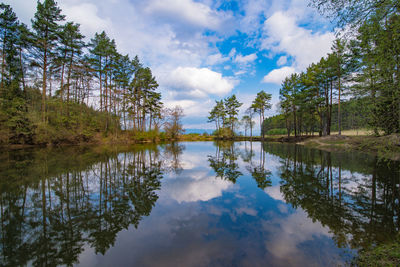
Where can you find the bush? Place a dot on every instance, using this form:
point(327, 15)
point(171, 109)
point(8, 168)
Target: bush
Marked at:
point(224, 133)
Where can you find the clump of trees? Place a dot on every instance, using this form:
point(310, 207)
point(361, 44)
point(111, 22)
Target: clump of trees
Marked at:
point(306, 99)
point(225, 115)
point(54, 86)
point(365, 67)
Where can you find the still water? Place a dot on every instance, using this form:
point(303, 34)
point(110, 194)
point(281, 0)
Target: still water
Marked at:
point(194, 204)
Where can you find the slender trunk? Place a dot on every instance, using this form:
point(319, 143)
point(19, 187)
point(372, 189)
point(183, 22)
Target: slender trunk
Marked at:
point(101, 85)
point(124, 106)
point(261, 129)
point(330, 110)
point(339, 114)
point(106, 86)
point(294, 120)
point(3, 60)
point(44, 81)
point(62, 77)
point(287, 126)
point(251, 130)
point(22, 72)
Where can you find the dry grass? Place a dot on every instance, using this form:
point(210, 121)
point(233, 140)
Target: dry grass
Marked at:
point(358, 132)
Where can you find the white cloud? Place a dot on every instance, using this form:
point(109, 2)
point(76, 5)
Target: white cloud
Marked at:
point(216, 59)
point(253, 10)
point(282, 61)
point(186, 11)
point(240, 72)
point(283, 35)
point(278, 75)
point(191, 188)
point(87, 15)
point(199, 82)
point(275, 193)
point(245, 59)
point(289, 232)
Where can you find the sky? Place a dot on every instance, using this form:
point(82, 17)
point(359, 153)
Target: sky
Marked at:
point(206, 50)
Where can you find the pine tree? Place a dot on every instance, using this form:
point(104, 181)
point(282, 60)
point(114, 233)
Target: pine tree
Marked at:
point(232, 106)
point(260, 104)
point(46, 36)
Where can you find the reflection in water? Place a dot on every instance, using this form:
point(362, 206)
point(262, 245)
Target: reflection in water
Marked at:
point(54, 203)
point(355, 195)
point(224, 162)
point(225, 165)
point(194, 204)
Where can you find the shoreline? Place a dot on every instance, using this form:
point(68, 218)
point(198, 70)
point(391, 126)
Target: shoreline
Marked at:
point(382, 146)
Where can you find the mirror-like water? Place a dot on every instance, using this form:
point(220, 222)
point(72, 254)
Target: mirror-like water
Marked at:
point(194, 204)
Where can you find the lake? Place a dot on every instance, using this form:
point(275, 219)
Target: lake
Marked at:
point(194, 204)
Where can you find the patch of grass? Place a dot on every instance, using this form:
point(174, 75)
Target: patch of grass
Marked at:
point(335, 142)
point(381, 255)
point(196, 137)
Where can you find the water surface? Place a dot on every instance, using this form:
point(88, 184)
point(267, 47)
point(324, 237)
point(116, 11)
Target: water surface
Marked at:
point(194, 204)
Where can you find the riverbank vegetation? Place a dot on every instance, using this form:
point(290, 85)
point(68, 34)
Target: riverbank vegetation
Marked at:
point(57, 88)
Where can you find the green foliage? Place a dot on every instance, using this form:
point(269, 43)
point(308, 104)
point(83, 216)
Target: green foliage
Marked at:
point(371, 58)
point(260, 104)
point(65, 76)
point(281, 131)
point(353, 117)
point(147, 136)
point(223, 133)
point(225, 115)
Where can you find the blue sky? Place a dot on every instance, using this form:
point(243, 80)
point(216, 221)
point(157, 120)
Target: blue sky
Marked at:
point(202, 51)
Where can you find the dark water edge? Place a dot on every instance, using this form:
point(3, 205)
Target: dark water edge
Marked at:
point(194, 204)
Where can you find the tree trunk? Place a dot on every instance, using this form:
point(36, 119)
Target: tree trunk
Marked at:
point(44, 83)
point(339, 114)
point(3, 60)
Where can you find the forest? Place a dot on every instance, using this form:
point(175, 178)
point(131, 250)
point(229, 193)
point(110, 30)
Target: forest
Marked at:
point(57, 88)
point(355, 86)
point(362, 69)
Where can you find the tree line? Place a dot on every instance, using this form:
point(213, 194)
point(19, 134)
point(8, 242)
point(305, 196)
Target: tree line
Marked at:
point(363, 67)
point(52, 207)
point(225, 115)
point(51, 79)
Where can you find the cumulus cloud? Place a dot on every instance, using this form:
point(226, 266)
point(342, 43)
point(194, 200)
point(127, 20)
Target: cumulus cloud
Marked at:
point(282, 34)
point(87, 15)
point(278, 75)
point(245, 59)
point(199, 82)
point(192, 188)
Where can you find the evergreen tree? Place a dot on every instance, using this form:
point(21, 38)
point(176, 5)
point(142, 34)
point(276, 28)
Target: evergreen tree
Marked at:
point(46, 37)
point(232, 106)
point(260, 104)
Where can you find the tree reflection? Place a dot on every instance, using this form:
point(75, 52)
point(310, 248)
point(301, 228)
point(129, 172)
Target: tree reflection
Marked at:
point(224, 163)
point(53, 203)
point(355, 195)
point(261, 175)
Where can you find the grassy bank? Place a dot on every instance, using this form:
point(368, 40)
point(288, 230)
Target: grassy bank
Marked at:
point(381, 255)
point(384, 146)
